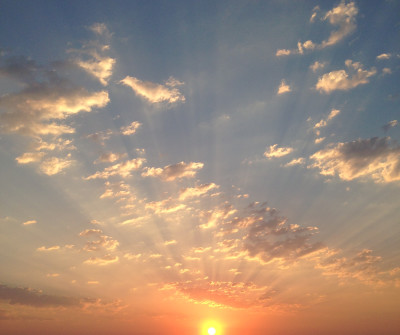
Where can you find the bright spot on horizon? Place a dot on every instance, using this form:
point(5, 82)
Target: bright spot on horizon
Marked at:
point(212, 331)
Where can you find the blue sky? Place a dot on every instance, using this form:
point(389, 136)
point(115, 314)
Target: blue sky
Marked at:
point(237, 160)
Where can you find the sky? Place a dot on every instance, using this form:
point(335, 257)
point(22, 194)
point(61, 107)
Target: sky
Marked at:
point(172, 166)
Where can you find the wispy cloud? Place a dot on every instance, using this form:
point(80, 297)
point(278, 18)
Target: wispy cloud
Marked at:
point(123, 169)
point(191, 192)
point(155, 93)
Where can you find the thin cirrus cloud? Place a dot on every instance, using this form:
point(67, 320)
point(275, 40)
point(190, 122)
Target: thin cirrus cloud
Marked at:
point(343, 80)
point(123, 169)
point(191, 192)
point(156, 93)
point(373, 158)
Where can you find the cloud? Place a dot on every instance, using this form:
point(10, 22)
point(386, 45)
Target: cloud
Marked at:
point(123, 169)
point(283, 87)
point(324, 122)
point(92, 58)
point(191, 192)
point(175, 171)
point(109, 157)
point(390, 124)
point(275, 152)
point(295, 161)
point(53, 248)
point(97, 241)
point(30, 157)
point(131, 129)
point(383, 56)
point(54, 165)
point(102, 261)
point(363, 266)
point(340, 80)
point(38, 109)
point(29, 222)
point(317, 66)
point(165, 206)
point(344, 17)
point(374, 158)
point(153, 92)
point(318, 140)
point(29, 297)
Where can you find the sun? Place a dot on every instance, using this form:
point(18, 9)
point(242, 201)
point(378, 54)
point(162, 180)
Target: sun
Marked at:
point(211, 331)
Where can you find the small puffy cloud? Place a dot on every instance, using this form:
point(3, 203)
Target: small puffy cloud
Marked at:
point(155, 93)
point(383, 56)
point(90, 232)
point(283, 87)
point(53, 248)
point(100, 29)
point(102, 261)
point(131, 129)
point(275, 152)
point(123, 169)
point(295, 161)
point(30, 157)
point(283, 52)
point(98, 242)
point(29, 222)
point(390, 124)
point(197, 191)
point(340, 80)
point(175, 171)
point(100, 137)
point(386, 70)
point(314, 14)
point(374, 158)
point(109, 157)
point(344, 17)
point(55, 165)
point(317, 66)
point(307, 45)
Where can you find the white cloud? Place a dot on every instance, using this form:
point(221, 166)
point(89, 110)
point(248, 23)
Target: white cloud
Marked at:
point(175, 171)
point(340, 80)
point(283, 87)
point(274, 151)
point(153, 92)
point(131, 129)
point(123, 169)
point(383, 56)
point(372, 158)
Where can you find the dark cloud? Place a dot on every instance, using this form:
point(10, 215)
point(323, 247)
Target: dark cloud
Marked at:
point(29, 297)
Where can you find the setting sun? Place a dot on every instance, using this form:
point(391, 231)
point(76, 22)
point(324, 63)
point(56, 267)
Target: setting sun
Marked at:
point(211, 331)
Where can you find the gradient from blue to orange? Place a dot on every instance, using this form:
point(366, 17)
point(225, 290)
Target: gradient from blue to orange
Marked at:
point(173, 167)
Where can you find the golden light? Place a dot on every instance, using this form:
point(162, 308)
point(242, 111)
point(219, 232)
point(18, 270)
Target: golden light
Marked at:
point(211, 331)
point(212, 327)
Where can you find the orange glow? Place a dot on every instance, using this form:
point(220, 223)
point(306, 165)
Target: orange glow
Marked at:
point(212, 327)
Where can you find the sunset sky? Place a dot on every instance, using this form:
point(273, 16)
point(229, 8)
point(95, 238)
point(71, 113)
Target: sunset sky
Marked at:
point(172, 166)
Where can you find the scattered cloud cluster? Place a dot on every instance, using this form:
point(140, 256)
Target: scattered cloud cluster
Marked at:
point(343, 17)
point(374, 158)
point(276, 152)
